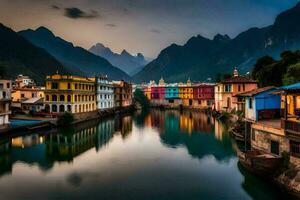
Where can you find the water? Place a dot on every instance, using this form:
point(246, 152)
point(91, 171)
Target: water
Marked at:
point(155, 155)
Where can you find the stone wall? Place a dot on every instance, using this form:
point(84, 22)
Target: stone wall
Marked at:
point(261, 140)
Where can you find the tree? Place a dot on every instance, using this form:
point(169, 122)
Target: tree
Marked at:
point(292, 75)
point(65, 120)
point(141, 98)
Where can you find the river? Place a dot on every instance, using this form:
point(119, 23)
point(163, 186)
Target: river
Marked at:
point(147, 155)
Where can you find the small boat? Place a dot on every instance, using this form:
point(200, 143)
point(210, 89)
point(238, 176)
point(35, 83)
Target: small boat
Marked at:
point(259, 163)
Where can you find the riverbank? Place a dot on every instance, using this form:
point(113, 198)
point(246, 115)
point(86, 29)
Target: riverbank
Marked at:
point(26, 124)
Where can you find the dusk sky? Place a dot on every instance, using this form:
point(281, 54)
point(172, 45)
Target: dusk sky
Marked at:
point(145, 26)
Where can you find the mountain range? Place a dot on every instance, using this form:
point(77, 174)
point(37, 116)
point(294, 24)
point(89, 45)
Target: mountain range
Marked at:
point(19, 56)
point(76, 59)
point(202, 58)
point(125, 61)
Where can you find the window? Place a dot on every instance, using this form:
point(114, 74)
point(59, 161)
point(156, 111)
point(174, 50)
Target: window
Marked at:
point(250, 103)
point(69, 98)
point(47, 97)
point(62, 98)
point(54, 97)
point(7, 85)
point(239, 88)
point(69, 86)
point(227, 88)
point(295, 148)
point(243, 87)
point(76, 86)
point(54, 85)
point(32, 95)
point(54, 108)
point(274, 147)
point(4, 95)
point(22, 95)
point(171, 101)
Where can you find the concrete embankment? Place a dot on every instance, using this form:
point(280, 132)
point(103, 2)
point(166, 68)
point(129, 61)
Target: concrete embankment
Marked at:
point(45, 123)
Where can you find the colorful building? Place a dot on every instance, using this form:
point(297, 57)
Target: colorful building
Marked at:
point(5, 100)
point(203, 95)
point(122, 93)
point(70, 93)
point(226, 91)
point(105, 93)
point(261, 104)
point(186, 93)
point(171, 91)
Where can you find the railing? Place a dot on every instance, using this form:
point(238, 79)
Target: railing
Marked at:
point(291, 127)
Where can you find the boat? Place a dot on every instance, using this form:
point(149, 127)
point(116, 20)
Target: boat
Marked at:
point(259, 163)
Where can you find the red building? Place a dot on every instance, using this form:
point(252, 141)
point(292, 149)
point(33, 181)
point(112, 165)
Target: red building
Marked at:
point(203, 95)
point(158, 92)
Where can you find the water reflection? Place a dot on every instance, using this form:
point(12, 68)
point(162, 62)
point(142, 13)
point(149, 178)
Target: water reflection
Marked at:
point(150, 155)
point(43, 149)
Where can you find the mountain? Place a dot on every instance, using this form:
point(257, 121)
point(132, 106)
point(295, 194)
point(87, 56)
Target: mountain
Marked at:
point(74, 58)
point(125, 61)
point(201, 58)
point(19, 56)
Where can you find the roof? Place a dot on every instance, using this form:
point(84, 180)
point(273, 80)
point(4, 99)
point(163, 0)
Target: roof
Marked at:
point(239, 79)
point(254, 92)
point(32, 100)
point(291, 87)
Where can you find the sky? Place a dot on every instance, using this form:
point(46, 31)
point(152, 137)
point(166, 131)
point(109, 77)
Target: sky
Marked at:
point(145, 26)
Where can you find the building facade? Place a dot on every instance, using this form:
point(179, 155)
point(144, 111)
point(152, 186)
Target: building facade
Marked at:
point(70, 93)
point(203, 95)
point(186, 93)
point(24, 81)
point(105, 93)
point(226, 91)
point(5, 100)
point(122, 93)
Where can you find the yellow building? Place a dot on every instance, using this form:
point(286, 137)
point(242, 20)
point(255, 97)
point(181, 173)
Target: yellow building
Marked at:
point(186, 93)
point(70, 93)
point(226, 91)
point(21, 94)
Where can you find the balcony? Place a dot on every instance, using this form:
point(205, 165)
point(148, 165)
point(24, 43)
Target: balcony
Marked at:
point(291, 126)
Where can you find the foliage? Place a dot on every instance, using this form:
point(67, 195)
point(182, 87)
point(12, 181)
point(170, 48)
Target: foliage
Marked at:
point(140, 97)
point(220, 77)
point(65, 119)
point(292, 75)
point(270, 72)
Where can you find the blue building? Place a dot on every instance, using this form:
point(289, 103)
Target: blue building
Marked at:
point(171, 91)
point(261, 104)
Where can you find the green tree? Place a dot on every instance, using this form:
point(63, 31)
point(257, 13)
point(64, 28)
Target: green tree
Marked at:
point(292, 75)
point(140, 97)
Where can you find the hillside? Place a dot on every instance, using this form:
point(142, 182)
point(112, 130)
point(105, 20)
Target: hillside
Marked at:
point(125, 61)
point(201, 58)
point(74, 58)
point(19, 56)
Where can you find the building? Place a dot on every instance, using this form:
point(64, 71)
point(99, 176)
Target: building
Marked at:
point(24, 81)
point(122, 93)
point(226, 91)
point(5, 100)
point(105, 93)
point(186, 93)
point(70, 93)
point(261, 104)
point(203, 95)
point(158, 93)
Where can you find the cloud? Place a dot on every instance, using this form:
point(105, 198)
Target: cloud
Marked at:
point(111, 25)
point(55, 7)
point(154, 30)
point(76, 13)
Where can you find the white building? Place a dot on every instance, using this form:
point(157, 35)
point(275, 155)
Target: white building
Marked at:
point(24, 81)
point(5, 99)
point(105, 93)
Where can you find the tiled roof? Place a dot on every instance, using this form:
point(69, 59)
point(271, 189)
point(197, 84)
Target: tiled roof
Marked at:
point(254, 92)
point(239, 79)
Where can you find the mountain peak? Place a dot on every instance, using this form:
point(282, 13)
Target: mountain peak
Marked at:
point(220, 37)
point(125, 53)
point(45, 31)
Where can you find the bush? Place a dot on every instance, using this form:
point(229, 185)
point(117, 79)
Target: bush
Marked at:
point(65, 119)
